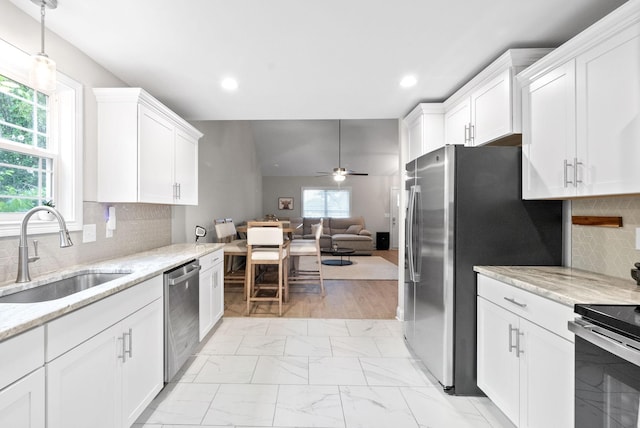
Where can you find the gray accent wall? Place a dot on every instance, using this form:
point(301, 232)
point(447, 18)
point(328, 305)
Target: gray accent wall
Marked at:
point(229, 182)
point(369, 196)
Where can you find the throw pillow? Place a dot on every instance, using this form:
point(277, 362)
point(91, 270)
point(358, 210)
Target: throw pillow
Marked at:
point(315, 227)
point(354, 229)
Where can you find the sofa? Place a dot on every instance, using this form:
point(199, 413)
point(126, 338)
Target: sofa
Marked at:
point(347, 232)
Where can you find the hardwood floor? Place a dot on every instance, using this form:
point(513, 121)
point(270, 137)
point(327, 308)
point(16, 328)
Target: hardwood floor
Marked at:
point(347, 299)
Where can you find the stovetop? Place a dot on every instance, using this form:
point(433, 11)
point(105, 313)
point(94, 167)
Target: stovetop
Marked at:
point(624, 319)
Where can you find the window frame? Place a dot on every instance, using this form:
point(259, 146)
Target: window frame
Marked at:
point(66, 142)
point(325, 188)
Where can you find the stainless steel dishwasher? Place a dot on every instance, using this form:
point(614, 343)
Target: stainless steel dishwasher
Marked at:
point(181, 316)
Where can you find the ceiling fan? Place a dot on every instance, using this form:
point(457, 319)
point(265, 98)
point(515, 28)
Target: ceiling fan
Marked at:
point(340, 173)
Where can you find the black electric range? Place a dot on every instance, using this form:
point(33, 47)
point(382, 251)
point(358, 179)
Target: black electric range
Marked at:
point(623, 319)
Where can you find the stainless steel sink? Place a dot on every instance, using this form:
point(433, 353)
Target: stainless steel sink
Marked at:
point(62, 288)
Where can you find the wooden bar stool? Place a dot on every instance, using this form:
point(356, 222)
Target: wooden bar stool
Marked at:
point(307, 247)
point(266, 246)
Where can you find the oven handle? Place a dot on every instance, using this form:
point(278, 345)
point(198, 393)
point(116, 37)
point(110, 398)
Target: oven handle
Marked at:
point(614, 343)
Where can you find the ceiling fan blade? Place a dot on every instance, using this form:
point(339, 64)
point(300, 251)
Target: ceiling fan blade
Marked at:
point(356, 173)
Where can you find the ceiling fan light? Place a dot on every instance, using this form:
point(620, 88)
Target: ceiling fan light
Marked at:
point(339, 178)
point(42, 74)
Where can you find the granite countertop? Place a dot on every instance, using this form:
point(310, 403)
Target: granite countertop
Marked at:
point(16, 318)
point(566, 285)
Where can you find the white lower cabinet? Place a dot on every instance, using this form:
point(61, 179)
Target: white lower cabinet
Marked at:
point(108, 379)
point(525, 355)
point(211, 291)
point(22, 390)
point(22, 403)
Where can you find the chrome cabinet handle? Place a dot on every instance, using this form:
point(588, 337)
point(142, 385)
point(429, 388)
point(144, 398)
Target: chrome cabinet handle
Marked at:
point(519, 351)
point(130, 350)
point(566, 174)
point(472, 134)
point(510, 300)
point(124, 352)
point(517, 345)
point(575, 172)
point(467, 134)
point(511, 345)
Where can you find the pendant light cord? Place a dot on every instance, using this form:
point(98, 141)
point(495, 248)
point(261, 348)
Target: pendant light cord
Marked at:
point(42, 13)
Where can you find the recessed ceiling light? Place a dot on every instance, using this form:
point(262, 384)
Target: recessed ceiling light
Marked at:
point(408, 81)
point(229, 84)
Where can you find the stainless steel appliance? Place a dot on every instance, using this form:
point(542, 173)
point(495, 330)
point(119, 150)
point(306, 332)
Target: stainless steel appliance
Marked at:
point(465, 209)
point(181, 316)
point(607, 366)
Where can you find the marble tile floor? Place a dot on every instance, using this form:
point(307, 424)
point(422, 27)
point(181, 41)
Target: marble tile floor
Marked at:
point(325, 373)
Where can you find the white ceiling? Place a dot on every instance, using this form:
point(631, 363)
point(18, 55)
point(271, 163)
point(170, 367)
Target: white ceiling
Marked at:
point(308, 59)
point(302, 63)
point(307, 147)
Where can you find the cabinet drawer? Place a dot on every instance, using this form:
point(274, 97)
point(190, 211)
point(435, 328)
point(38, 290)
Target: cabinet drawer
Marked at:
point(70, 330)
point(546, 313)
point(21, 355)
point(208, 260)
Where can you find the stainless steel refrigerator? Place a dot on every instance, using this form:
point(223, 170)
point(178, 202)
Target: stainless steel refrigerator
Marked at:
point(465, 209)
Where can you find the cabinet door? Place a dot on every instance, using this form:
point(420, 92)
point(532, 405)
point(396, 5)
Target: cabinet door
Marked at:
point(186, 169)
point(155, 157)
point(491, 110)
point(456, 123)
point(83, 385)
point(416, 138)
point(546, 378)
point(218, 291)
point(206, 301)
point(22, 403)
point(498, 371)
point(608, 96)
point(549, 138)
point(142, 370)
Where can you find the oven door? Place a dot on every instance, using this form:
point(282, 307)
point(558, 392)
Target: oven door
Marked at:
point(607, 378)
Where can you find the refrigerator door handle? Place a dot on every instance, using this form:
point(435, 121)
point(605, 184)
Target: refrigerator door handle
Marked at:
point(410, 212)
point(417, 222)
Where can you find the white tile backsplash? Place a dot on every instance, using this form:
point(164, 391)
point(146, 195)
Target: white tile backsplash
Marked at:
point(140, 227)
point(606, 250)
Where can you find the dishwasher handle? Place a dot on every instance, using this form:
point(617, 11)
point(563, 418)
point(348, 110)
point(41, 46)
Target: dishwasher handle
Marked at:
point(193, 271)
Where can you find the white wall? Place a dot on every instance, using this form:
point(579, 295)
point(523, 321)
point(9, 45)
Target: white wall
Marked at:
point(369, 196)
point(140, 226)
point(23, 32)
point(230, 181)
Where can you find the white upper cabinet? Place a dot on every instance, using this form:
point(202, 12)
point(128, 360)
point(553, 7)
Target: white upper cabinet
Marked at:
point(488, 107)
point(146, 153)
point(425, 125)
point(550, 106)
point(582, 113)
point(457, 122)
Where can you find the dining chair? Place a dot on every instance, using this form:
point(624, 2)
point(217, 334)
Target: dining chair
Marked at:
point(307, 248)
point(234, 251)
point(266, 246)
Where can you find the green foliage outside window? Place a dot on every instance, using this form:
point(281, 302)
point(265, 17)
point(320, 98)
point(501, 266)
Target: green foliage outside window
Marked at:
point(25, 178)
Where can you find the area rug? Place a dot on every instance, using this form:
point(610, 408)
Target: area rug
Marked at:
point(363, 267)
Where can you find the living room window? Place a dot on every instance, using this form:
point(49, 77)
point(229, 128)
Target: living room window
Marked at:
point(326, 202)
point(40, 146)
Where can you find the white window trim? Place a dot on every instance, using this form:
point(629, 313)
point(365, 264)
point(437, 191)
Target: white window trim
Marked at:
point(68, 96)
point(324, 188)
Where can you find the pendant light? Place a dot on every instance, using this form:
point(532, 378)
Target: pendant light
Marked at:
point(43, 69)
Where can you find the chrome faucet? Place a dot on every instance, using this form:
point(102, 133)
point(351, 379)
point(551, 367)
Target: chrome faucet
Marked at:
point(23, 248)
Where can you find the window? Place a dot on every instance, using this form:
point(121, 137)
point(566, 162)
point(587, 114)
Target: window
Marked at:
point(40, 146)
point(26, 155)
point(326, 202)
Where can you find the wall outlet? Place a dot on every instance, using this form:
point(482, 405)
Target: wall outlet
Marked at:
point(88, 233)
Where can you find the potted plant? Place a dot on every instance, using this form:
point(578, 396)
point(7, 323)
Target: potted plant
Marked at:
point(46, 215)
